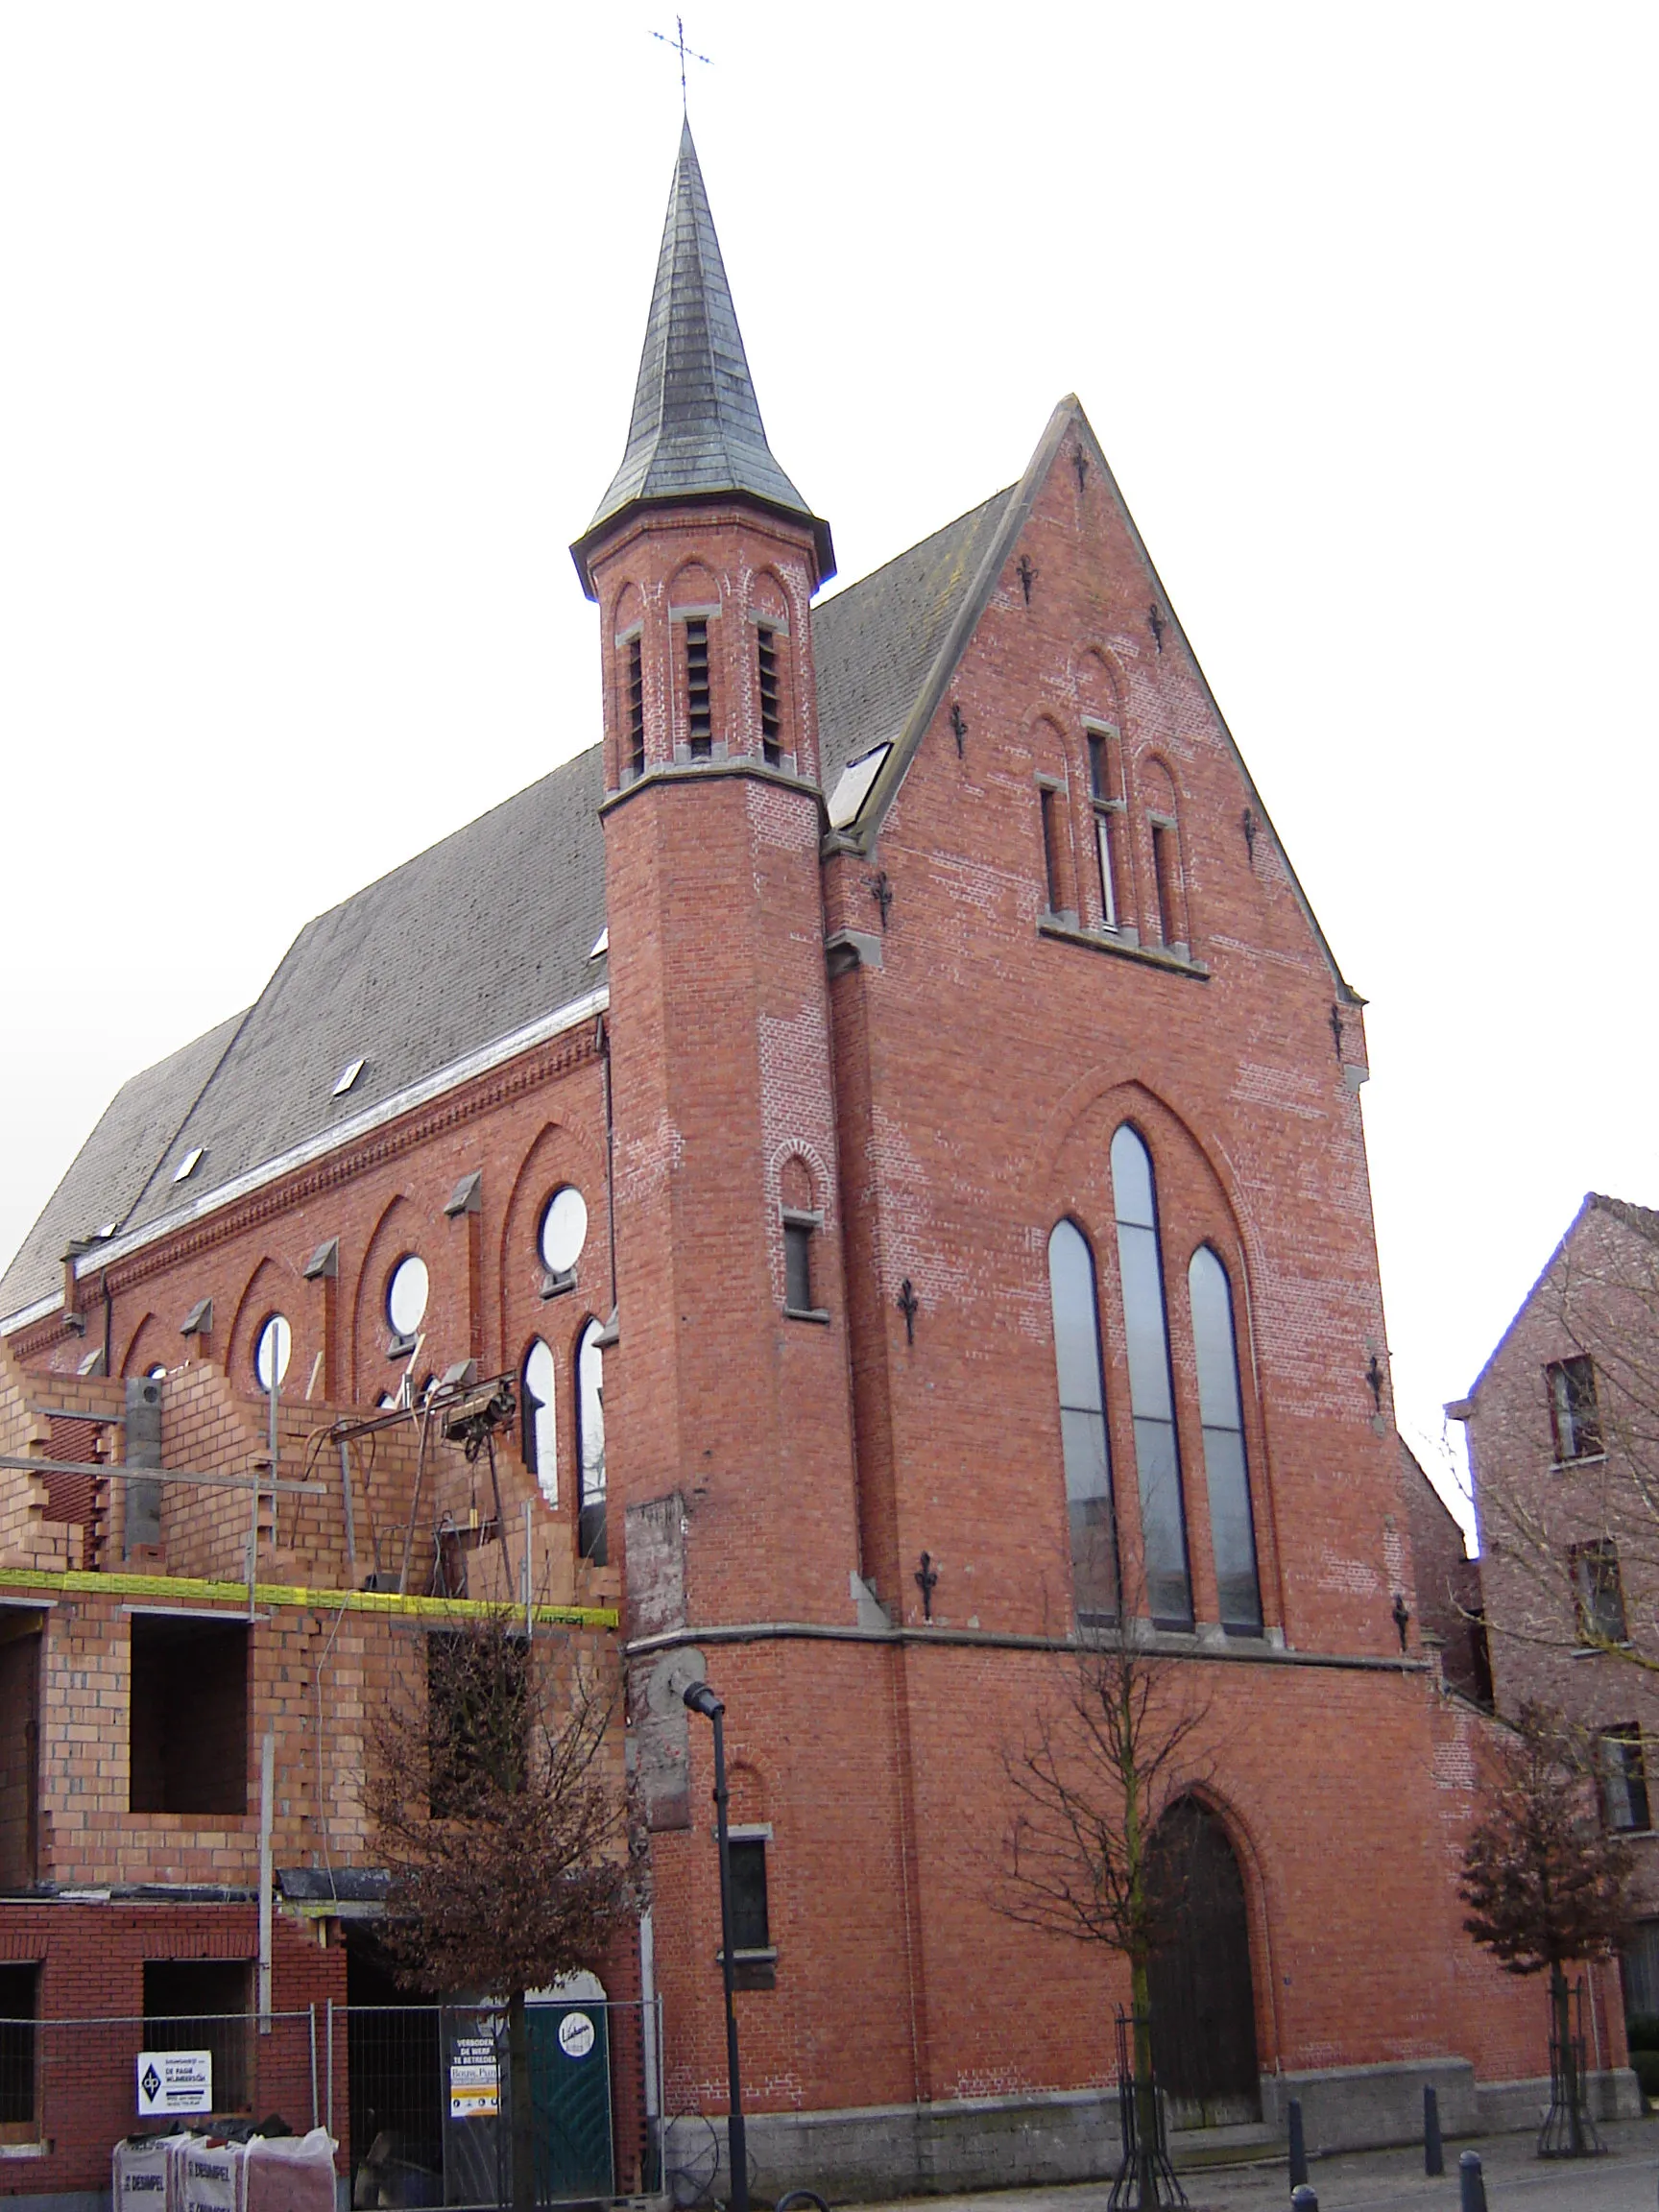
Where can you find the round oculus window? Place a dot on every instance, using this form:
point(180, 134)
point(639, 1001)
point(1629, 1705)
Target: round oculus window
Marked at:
point(275, 1343)
point(406, 1295)
point(564, 1229)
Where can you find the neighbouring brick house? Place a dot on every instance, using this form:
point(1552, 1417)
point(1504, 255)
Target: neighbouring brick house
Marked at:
point(892, 1112)
point(1563, 1435)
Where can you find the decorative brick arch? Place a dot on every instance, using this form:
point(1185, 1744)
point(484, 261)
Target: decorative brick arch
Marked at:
point(560, 1152)
point(806, 1154)
point(273, 1287)
point(396, 1231)
point(145, 1348)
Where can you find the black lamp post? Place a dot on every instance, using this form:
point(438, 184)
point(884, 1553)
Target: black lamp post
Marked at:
point(701, 1699)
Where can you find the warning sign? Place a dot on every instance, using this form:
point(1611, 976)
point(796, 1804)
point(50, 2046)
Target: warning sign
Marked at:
point(174, 2082)
point(475, 2078)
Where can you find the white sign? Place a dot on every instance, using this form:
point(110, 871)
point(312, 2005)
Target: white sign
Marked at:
point(575, 2034)
point(474, 2090)
point(174, 2082)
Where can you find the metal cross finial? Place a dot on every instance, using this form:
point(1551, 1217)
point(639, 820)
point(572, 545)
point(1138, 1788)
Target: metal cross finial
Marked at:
point(685, 52)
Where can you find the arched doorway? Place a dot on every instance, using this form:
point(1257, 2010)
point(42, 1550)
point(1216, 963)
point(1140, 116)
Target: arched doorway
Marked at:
point(1203, 2000)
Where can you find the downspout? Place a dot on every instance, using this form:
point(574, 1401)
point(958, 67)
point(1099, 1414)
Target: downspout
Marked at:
point(108, 1320)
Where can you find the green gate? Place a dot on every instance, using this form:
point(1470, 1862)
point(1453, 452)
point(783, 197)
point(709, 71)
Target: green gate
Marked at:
point(570, 2092)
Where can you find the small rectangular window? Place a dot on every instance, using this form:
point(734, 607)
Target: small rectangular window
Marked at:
point(750, 1927)
point(771, 724)
point(698, 716)
point(797, 1266)
point(1599, 1593)
point(636, 709)
point(1108, 876)
point(1573, 1415)
point(187, 1724)
point(1100, 765)
point(20, 1637)
point(19, 2099)
point(1049, 802)
point(1624, 1778)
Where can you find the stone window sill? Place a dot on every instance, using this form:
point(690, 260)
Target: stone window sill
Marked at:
point(1571, 1466)
point(1177, 960)
point(818, 1313)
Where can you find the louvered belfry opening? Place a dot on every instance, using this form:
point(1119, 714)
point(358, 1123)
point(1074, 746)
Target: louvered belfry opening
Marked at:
point(699, 719)
point(771, 723)
point(636, 707)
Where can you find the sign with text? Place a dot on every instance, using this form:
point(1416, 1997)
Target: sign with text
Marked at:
point(174, 2082)
point(475, 2078)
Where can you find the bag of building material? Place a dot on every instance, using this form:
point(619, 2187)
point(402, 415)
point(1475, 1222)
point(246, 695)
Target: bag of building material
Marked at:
point(290, 2173)
point(138, 2174)
point(212, 2176)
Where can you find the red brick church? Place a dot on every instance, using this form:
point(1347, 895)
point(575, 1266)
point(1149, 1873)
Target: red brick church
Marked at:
point(891, 1110)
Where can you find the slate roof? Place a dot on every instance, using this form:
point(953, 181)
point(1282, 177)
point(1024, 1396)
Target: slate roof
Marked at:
point(106, 1177)
point(874, 643)
point(696, 426)
point(457, 948)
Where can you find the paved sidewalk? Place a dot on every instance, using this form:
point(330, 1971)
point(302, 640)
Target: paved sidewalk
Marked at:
point(1626, 2181)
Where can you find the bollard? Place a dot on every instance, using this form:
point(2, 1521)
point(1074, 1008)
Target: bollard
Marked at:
point(1471, 2187)
point(1434, 2157)
point(1304, 2199)
point(1298, 2145)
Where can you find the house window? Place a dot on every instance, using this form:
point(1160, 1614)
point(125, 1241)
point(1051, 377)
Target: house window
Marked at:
point(797, 1266)
point(1107, 800)
point(1083, 1444)
point(21, 1629)
point(271, 1353)
point(1166, 876)
point(754, 1956)
point(537, 1422)
point(563, 1235)
point(636, 707)
point(406, 1295)
point(187, 1714)
point(1226, 1465)
point(204, 2005)
point(1624, 1777)
point(771, 719)
point(1151, 1389)
point(1638, 1968)
point(590, 1536)
point(19, 2101)
point(750, 1924)
point(1573, 1415)
point(1599, 1593)
point(698, 716)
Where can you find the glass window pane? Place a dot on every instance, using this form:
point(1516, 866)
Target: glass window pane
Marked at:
point(1226, 1469)
point(276, 1344)
point(539, 1420)
point(1083, 1437)
point(406, 1295)
point(590, 1440)
point(797, 1266)
point(750, 1925)
point(1151, 1396)
point(563, 1230)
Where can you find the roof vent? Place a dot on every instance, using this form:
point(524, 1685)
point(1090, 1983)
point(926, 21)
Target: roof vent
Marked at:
point(199, 1321)
point(189, 1166)
point(347, 1075)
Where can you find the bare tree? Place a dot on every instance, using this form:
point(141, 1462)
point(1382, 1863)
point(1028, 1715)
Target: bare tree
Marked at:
point(1546, 1883)
point(504, 1831)
point(1103, 1762)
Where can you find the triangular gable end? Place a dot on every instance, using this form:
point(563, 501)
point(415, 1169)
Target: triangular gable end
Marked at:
point(860, 837)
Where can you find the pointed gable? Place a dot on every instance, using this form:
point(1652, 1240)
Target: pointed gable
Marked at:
point(889, 646)
point(696, 429)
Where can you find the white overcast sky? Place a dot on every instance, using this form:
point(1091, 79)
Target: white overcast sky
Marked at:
point(320, 332)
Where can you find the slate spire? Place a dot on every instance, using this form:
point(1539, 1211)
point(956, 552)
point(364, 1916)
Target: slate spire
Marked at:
point(696, 430)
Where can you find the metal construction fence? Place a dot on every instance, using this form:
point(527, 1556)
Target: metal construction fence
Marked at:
point(419, 2095)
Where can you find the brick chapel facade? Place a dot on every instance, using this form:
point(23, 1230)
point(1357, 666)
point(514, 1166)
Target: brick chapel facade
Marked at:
point(892, 1112)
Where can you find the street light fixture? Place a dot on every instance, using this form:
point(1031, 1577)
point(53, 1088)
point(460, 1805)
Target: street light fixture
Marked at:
point(700, 1699)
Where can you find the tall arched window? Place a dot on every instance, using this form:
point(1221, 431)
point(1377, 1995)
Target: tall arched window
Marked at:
point(538, 1428)
point(1226, 1468)
point(1151, 1392)
point(590, 1540)
point(1083, 1423)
